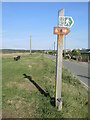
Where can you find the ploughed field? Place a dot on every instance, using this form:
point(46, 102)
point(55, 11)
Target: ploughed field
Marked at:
point(28, 89)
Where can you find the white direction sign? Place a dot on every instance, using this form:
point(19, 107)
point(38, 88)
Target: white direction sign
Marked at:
point(65, 21)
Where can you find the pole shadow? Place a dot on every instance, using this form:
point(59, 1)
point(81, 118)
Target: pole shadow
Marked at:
point(46, 94)
point(83, 76)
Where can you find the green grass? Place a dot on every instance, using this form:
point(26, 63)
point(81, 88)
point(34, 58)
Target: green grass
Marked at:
point(24, 98)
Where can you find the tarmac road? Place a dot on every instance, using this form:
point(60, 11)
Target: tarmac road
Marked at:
point(80, 70)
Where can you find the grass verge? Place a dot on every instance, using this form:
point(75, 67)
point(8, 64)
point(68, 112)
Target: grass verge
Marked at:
point(29, 88)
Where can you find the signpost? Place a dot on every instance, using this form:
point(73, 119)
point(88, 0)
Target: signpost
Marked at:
point(62, 29)
point(59, 66)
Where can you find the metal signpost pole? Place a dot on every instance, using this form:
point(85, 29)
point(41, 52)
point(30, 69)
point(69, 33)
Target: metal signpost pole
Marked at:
point(59, 68)
point(64, 46)
point(54, 46)
point(30, 44)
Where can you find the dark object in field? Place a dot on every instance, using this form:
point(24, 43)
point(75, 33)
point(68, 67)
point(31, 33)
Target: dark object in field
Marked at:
point(16, 58)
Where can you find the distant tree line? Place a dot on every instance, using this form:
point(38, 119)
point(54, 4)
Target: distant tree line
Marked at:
point(6, 51)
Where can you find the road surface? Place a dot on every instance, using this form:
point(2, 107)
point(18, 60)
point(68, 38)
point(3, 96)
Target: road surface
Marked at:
point(80, 70)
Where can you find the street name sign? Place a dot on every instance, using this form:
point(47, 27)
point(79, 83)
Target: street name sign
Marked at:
point(65, 21)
